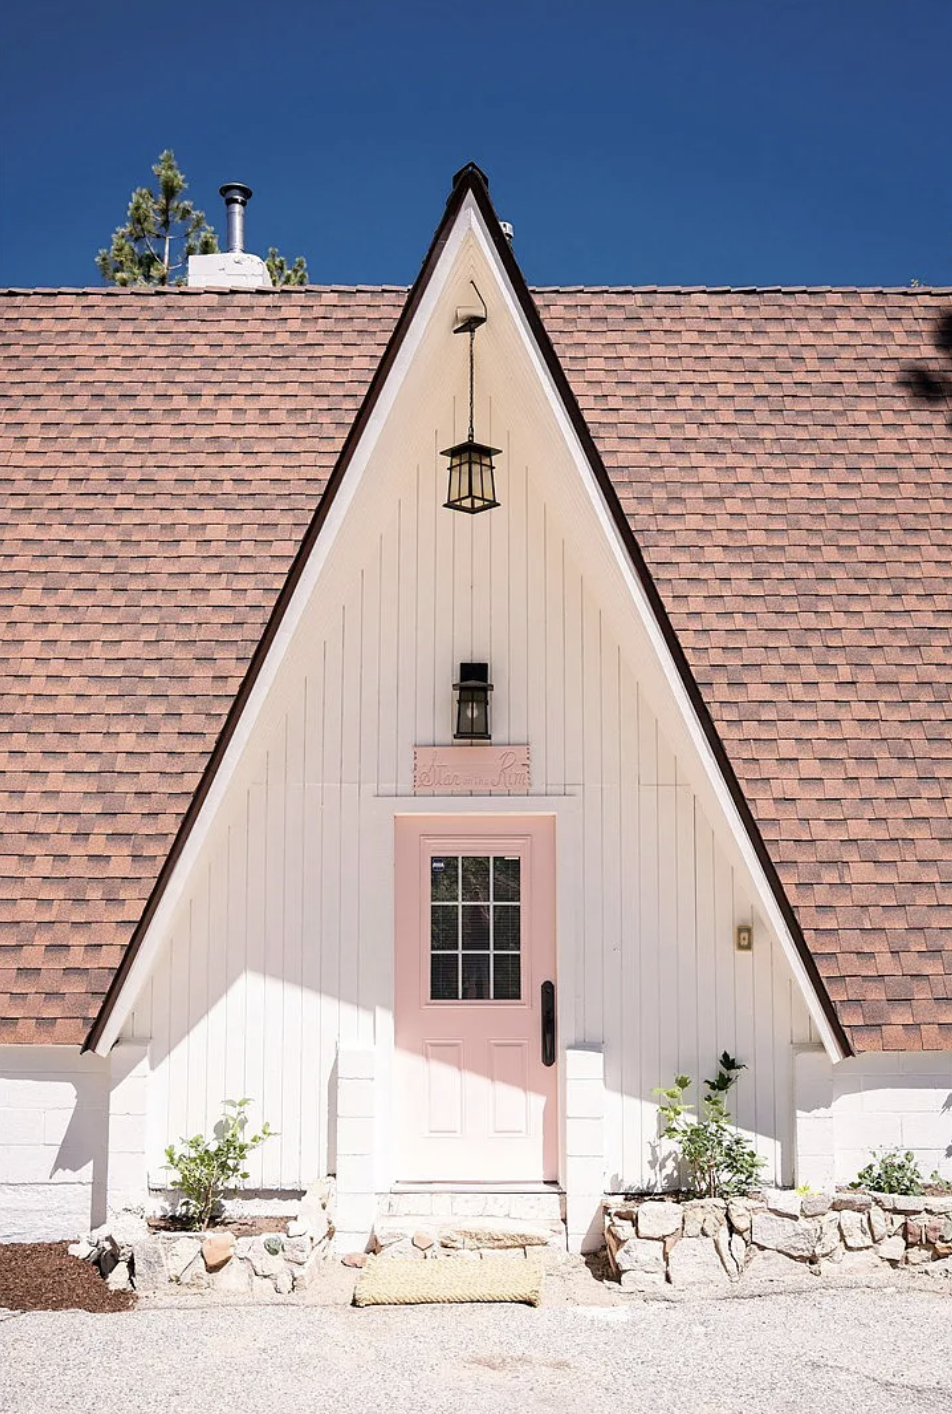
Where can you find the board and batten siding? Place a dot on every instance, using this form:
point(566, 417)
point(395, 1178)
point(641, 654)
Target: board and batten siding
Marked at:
point(282, 945)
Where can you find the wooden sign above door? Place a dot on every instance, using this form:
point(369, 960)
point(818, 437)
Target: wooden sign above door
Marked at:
point(470, 770)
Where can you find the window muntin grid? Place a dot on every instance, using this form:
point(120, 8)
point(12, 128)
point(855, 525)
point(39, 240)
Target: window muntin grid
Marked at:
point(475, 928)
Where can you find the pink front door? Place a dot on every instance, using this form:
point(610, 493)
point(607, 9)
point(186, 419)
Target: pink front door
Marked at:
point(475, 942)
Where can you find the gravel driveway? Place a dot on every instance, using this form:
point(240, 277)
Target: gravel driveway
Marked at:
point(847, 1351)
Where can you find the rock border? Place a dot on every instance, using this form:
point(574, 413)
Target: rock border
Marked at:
point(653, 1242)
point(262, 1267)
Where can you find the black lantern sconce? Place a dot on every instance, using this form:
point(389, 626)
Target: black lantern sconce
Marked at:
point(472, 702)
point(472, 481)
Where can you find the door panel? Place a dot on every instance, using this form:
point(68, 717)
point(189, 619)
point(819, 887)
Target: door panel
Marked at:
point(475, 939)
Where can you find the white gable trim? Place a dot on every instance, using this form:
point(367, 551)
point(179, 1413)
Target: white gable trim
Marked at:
point(698, 736)
point(469, 222)
point(245, 726)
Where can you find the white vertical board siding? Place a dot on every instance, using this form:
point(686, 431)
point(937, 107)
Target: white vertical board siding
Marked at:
point(281, 947)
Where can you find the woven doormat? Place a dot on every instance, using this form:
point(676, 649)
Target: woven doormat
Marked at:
point(403, 1281)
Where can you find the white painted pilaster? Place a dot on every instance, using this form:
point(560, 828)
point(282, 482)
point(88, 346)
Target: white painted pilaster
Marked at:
point(815, 1148)
point(128, 1182)
point(356, 1178)
point(584, 1069)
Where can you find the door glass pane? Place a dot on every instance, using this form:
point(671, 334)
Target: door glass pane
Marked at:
point(475, 977)
point(475, 878)
point(476, 925)
point(505, 928)
point(506, 978)
point(444, 877)
point(506, 880)
point(475, 928)
point(444, 927)
point(444, 977)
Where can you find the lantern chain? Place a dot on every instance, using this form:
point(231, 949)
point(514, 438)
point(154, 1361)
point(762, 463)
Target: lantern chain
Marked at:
point(472, 374)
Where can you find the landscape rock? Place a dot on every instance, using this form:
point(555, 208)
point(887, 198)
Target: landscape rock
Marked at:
point(785, 1235)
point(297, 1250)
point(854, 1228)
point(304, 1276)
point(917, 1256)
point(784, 1201)
point(423, 1240)
point(739, 1214)
point(904, 1203)
point(643, 1282)
point(893, 1249)
point(81, 1249)
point(828, 1244)
point(859, 1263)
point(299, 1227)
point(195, 1274)
point(263, 1263)
point(119, 1279)
point(878, 1223)
point(217, 1249)
point(233, 1279)
point(703, 1216)
point(852, 1202)
point(640, 1254)
point(354, 1259)
point(151, 1273)
point(776, 1266)
point(658, 1219)
point(695, 1262)
point(814, 1205)
point(723, 1243)
point(284, 1282)
point(180, 1254)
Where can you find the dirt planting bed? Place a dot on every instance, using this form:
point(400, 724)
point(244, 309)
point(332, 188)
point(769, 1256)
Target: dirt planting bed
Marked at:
point(42, 1276)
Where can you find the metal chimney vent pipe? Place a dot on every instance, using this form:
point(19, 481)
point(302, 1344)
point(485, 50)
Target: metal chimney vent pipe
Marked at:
point(237, 196)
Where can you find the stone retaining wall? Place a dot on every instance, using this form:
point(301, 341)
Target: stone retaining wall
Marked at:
point(263, 1266)
point(653, 1241)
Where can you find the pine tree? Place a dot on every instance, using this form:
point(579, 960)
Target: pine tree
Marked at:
point(279, 271)
point(162, 230)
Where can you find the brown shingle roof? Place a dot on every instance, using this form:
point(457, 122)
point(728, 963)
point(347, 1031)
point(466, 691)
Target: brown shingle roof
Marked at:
point(162, 454)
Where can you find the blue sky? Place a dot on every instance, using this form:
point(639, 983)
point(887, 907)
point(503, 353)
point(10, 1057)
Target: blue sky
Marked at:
point(649, 142)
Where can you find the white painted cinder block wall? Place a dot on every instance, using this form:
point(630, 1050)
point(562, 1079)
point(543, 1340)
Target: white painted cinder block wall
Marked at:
point(888, 1100)
point(54, 1109)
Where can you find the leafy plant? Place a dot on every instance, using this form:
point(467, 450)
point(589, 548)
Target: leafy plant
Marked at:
point(891, 1172)
point(937, 1181)
point(719, 1160)
point(206, 1168)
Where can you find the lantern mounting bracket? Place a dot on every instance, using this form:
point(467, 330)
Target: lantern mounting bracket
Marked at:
point(468, 320)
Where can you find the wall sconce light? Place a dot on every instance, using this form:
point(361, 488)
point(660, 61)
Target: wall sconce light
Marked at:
point(472, 703)
point(472, 483)
point(744, 938)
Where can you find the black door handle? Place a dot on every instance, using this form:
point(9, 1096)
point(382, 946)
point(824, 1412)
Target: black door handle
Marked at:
point(548, 1023)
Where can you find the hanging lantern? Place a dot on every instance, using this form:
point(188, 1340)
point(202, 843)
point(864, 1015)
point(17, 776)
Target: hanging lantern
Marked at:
point(472, 703)
point(472, 482)
point(472, 485)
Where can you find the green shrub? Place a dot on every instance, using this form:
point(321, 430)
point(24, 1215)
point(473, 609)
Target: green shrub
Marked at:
point(205, 1168)
point(719, 1160)
point(891, 1172)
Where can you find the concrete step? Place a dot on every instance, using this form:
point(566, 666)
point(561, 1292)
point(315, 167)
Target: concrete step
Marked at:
point(546, 1205)
point(420, 1234)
